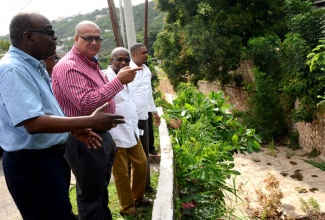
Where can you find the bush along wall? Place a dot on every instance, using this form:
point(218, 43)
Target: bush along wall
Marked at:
point(205, 136)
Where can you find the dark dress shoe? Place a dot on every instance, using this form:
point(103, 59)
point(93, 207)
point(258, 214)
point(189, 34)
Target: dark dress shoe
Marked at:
point(143, 202)
point(149, 189)
point(153, 152)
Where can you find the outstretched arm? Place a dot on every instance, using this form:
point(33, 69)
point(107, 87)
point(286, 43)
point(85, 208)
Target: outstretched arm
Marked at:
point(98, 120)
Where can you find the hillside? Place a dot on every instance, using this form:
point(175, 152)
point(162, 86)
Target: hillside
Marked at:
point(65, 28)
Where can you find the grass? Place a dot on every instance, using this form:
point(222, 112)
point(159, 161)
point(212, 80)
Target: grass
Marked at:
point(144, 212)
point(320, 165)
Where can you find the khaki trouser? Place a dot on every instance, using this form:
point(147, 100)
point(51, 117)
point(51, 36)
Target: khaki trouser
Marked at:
point(130, 190)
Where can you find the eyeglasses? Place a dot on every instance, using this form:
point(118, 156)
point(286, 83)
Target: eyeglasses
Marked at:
point(120, 59)
point(55, 59)
point(48, 33)
point(91, 39)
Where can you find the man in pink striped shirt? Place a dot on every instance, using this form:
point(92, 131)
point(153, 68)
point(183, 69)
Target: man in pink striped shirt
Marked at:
point(80, 88)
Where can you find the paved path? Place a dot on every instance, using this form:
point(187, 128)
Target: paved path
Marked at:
point(292, 173)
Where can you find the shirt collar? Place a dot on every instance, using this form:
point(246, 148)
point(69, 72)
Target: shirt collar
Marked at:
point(91, 62)
point(29, 59)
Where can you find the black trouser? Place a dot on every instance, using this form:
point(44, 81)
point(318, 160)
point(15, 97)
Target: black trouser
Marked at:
point(151, 134)
point(92, 169)
point(143, 125)
point(37, 181)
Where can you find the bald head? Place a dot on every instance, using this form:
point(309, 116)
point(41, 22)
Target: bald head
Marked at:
point(84, 26)
point(120, 58)
point(87, 38)
point(119, 50)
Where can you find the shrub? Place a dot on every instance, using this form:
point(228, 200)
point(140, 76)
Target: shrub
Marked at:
point(204, 144)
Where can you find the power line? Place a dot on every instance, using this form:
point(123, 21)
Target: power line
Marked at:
point(14, 8)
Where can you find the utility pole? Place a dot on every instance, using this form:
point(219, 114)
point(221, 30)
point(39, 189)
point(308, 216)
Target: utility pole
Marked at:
point(116, 29)
point(129, 23)
point(122, 22)
point(145, 37)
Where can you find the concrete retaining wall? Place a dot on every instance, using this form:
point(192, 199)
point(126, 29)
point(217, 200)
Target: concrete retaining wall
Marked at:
point(311, 135)
point(163, 207)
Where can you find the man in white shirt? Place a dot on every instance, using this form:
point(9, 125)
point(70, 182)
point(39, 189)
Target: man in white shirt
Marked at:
point(143, 99)
point(129, 147)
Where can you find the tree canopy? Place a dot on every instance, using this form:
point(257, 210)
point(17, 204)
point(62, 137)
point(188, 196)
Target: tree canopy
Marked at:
point(204, 39)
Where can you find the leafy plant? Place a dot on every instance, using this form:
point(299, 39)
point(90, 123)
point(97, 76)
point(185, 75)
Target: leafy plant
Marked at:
point(321, 103)
point(204, 144)
point(311, 208)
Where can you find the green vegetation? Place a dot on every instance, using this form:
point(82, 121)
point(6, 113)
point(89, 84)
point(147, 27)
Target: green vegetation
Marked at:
point(271, 149)
point(288, 73)
point(204, 39)
point(320, 165)
point(285, 40)
point(4, 46)
point(204, 143)
point(294, 140)
point(313, 153)
point(312, 209)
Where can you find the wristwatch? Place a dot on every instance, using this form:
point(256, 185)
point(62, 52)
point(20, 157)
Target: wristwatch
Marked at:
point(155, 112)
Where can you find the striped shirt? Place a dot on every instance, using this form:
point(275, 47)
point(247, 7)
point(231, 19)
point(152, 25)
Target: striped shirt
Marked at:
point(80, 87)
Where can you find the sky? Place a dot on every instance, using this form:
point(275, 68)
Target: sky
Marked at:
point(52, 9)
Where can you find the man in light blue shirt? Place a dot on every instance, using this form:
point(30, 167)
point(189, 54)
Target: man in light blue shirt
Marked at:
point(33, 129)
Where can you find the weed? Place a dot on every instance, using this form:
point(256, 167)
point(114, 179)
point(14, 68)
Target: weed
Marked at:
point(313, 153)
point(312, 209)
point(269, 202)
point(271, 149)
point(289, 153)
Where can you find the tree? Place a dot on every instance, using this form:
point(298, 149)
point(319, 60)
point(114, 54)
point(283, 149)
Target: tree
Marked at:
point(4, 46)
point(293, 66)
point(204, 39)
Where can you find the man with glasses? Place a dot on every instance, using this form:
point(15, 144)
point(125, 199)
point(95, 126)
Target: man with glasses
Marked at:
point(50, 63)
point(80, 87)
point(33, 128)
point(130, 191)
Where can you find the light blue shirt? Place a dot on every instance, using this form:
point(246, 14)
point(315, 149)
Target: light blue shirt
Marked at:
point(25, 94)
